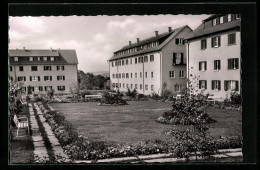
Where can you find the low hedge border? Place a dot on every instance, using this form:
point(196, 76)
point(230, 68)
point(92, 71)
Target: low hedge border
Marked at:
point(79, 147)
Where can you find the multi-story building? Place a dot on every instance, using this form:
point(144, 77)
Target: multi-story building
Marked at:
point(151, 64)
point(214, 55)
point(39, 70)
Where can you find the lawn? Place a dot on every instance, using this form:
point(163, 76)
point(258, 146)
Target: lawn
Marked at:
point(136, 121)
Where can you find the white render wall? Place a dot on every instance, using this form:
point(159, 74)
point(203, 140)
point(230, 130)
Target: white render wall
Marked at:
point(223, 53)
point(137, 68)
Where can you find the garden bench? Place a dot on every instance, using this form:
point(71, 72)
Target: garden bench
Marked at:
point(21, 122)
point(93, 97)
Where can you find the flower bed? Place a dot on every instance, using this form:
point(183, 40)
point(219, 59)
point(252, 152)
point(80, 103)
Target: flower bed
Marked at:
point(78, 147)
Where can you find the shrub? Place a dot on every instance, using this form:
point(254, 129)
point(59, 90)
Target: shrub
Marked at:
point(113, 99)
point(155, 96)
point(132, 93)
point(235, 98)
point(166, 93)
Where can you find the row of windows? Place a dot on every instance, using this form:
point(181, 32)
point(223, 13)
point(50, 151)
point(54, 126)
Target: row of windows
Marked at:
point(216, 41)
point(172, 74)
point(40, 88)
point(137, 60)
point(233, 63)
point(224, 19)
point(138, 48)
point(130, 86)
point(39, 58)
point(35, 68)
point(229, 85)
point(126, 75)
point(38, 78)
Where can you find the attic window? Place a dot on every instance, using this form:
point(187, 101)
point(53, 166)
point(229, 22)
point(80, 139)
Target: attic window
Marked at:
point(15, 58)
point(30, 58)
point(52, 58)
point(179, 41)
point(44, 58)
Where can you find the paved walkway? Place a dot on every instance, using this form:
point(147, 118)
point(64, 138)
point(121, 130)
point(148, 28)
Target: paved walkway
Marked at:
point(40, 152)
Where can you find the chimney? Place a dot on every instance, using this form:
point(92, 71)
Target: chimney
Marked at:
point(51, 48)
point(130, 43)
point(24, 48)
point(156, 33)
point(170, 29)
point(137, 40)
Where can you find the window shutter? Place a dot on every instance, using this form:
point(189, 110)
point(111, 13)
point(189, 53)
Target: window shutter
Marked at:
point(205, 65)
point(236, 64)
point(24, 78)
point(50, 78)
point(63, 77)
point(234, 37)
point(50, 68)
point(201, 44)
point(219, 64)
point(30, 78)
point(215, 64)
point(219, 85)
point(229, 38)
point(212, 84)
point(229, 63)
point(176, 41)
point(212, 42)
point(218, 21)
point(225, 18)
point(205, 84)
point(233, 17)
point(237, 87)
point(174, 58)
point(200, 84)
point(225, 85)
point(182, 59)
point(39, 79)
point(219, 41)
point(199, 66)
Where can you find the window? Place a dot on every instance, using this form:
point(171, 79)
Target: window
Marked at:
point(229, 17)
point(221, 20)
point(30, 58)
point(15, 58)
point(151, 58)
point(131, 86)
point(152, 87)
point(135, 86)
point(140, 74)
point(123, 75)
point(35, 78)
point(60, 68)
point(47, 78)
point(113, 75)
point(204, 44)
point(202, 84)
point(34, 68)
point(126, 62)
point(135, 75)
point(181, 74)
point(123, 85)
point(216, 85)
point(36, 88)
point(145, 74)
point(214, 22)
point(61, 88)
point(135, 60)
point(119, 75)
point(202, 66)
point(141, 86)
point(179, 41)
point(233, 64)
point(177, 87)
point(123, 62)
point(52, 58)
point(116, 75)
point(231, 38)
point(11, 68)
point(127, 85)
point(231, 85)
point(171, 74)
point(113, 84)
point(44, 58)
point(21, 78)
point(178, 59)
point(127, 75)
point(112, 63)
point(145, 59)
point(20, 68)
point(23, 89)
point(217, 65)
point(237, 16)
point(47, 68)
point(40, 88)
point(215, 42)
point(116, 85)
point(60, 78)
point(131, 75)
point(146, 87)
point(130, 61)
point(140, 59)
point(151, 74)
point(11, 78)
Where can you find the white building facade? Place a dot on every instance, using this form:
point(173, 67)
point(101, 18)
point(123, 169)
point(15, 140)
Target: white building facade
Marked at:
point(150, 64)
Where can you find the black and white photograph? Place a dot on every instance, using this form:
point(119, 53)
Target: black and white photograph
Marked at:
point(125, 89)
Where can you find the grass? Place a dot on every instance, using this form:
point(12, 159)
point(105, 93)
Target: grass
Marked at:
point(136, 121)
point(21, 148)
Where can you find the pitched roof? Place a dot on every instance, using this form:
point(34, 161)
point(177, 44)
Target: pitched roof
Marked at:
point(154, 49)
point(66, 56)
point(200, 31)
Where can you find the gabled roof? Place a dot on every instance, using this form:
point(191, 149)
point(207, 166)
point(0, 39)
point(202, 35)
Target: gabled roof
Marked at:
point(200, 31)
point(66, 56)
point(170, 35)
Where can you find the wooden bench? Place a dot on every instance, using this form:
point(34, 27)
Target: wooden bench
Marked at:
point(93, 97)
point(21, 122)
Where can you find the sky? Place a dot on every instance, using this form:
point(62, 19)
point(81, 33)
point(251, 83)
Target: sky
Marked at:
point(94, 38)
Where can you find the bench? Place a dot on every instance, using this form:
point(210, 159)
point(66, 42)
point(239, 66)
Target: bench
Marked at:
point(21, 122)
point(93, 97)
